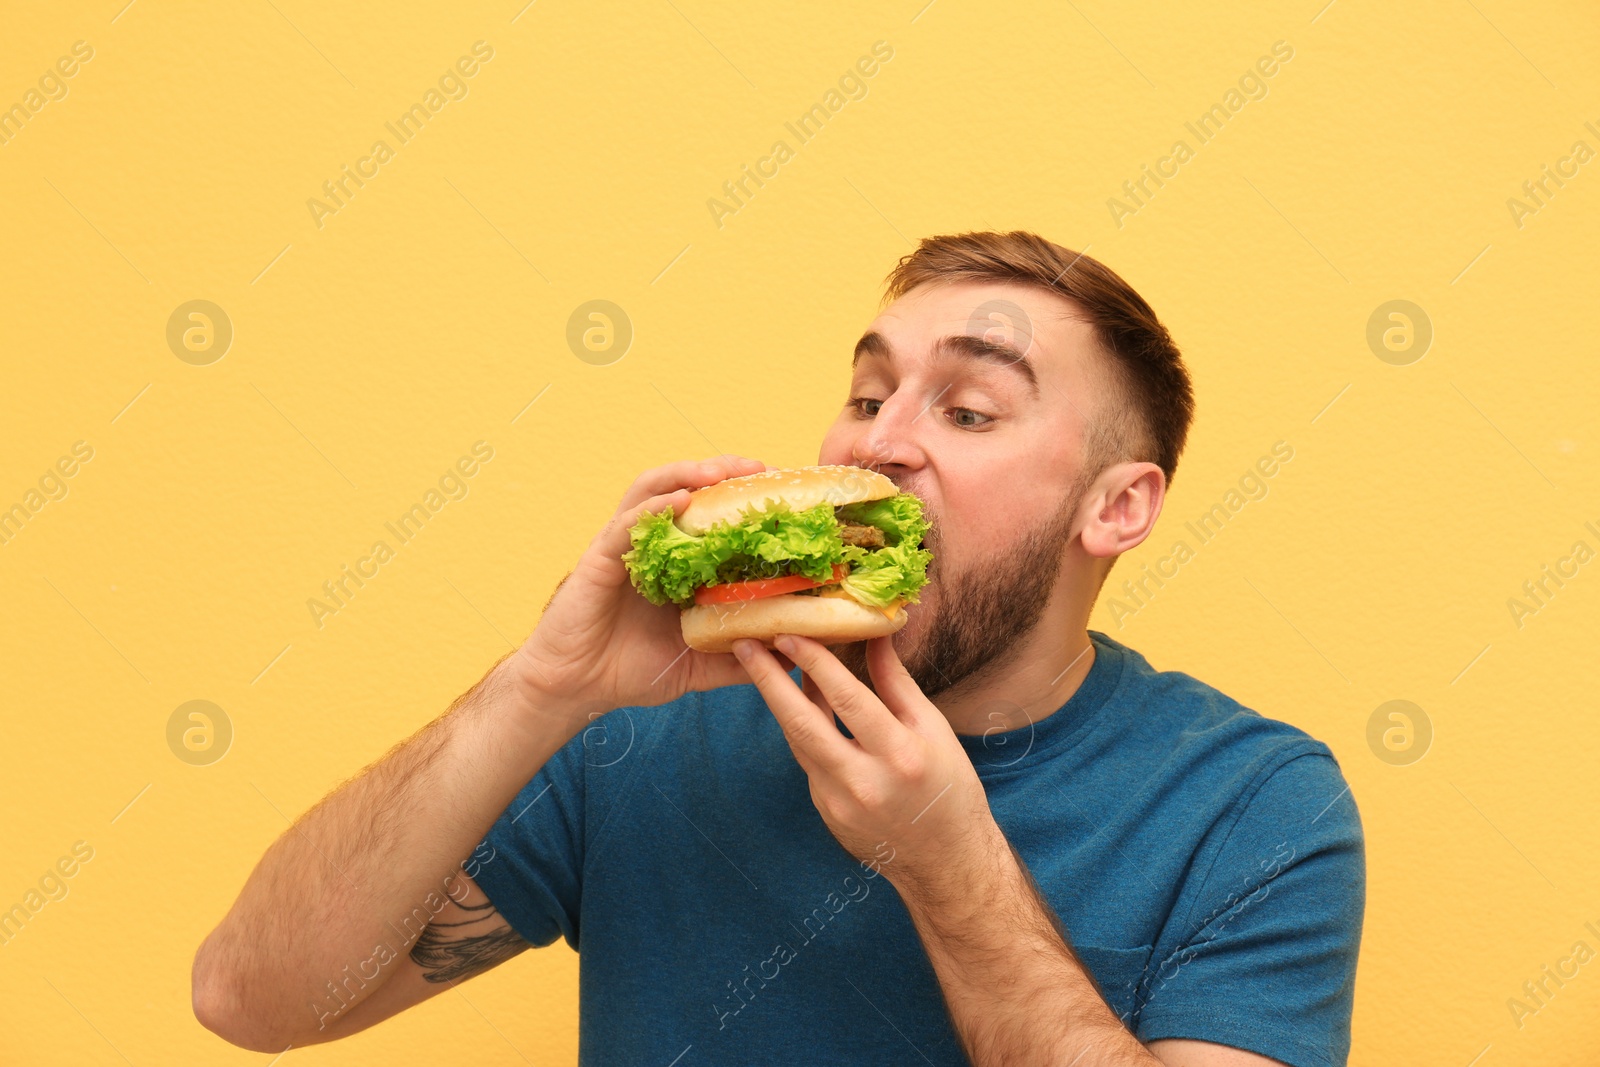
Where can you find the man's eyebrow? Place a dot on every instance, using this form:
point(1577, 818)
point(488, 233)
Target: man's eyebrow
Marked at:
point(962, 346)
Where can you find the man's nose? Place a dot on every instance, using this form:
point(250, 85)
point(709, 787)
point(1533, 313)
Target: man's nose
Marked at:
point(894, 436)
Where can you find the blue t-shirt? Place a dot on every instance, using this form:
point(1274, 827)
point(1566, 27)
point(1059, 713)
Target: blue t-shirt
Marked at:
point(1207, 864)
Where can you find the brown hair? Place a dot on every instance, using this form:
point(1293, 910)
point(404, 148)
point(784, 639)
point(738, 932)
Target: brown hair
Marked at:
point(1147, 368)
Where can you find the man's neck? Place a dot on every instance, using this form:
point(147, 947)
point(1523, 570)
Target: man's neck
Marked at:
point(1047, 667)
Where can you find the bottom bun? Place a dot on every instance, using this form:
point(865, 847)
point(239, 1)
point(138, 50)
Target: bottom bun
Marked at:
point(829, 619)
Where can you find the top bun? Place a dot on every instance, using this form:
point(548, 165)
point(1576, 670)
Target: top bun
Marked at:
point(800, 488)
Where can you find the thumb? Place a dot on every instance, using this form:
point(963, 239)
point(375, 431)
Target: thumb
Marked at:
point(713, 670)
point(605, 551)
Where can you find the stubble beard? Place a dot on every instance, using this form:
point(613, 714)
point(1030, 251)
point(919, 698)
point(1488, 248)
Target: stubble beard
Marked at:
point(984, 611)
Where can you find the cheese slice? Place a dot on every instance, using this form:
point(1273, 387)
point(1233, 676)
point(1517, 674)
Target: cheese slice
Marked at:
point(833, 590)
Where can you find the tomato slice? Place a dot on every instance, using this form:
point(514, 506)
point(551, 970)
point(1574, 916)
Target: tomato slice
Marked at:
point(735, 592)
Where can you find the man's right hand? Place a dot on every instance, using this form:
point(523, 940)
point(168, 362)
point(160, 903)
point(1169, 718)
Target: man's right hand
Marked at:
point(600, 645)
point(285, 965)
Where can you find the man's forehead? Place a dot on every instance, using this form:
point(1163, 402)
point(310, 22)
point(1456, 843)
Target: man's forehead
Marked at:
point(1047, 328)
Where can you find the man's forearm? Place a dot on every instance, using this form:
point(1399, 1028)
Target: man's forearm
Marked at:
point(1015, 991)
point(336, 883)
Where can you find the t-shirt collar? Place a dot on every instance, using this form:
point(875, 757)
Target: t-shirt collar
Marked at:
point(998, 751)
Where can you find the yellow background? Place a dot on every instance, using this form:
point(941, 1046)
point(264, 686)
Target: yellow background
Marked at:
point(425, 315)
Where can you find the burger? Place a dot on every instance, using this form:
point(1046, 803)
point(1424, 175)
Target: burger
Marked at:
point(832, 553)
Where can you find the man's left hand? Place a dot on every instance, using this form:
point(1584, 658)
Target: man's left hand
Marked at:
point(902, 776)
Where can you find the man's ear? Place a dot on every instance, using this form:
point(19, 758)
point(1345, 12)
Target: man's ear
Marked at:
point(1121, 508)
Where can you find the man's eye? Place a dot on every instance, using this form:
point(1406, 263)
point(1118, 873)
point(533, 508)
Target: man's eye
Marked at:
point(865, 406)
point(968, 419)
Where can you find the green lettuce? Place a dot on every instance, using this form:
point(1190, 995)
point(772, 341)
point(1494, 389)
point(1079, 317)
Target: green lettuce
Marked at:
point(899, 517)
point(884, 575)
point(666, 565)
point(880, 577)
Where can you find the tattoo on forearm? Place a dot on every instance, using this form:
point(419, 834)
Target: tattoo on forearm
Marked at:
point(447, 952)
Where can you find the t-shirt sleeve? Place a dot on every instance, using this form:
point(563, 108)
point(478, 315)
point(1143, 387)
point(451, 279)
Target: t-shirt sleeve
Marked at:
point(1266, 956)
point(530, 864)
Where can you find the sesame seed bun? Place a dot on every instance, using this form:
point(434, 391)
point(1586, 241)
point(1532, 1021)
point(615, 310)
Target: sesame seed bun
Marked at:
point(799, 487)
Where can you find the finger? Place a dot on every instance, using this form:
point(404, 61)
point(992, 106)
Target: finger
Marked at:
point(809, 729)
point(808, 686)
point(687, 474)
point(869, 721)
point(895, 686)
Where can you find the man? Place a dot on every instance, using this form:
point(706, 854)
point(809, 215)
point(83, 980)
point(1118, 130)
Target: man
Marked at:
point(995, 837)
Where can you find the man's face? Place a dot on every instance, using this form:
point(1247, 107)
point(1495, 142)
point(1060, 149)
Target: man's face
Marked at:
point(994, 451)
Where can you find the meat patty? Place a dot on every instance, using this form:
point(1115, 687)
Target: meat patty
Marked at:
point(861, 536)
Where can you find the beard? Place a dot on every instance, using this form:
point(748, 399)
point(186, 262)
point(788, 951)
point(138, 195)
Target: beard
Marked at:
point(984, 611)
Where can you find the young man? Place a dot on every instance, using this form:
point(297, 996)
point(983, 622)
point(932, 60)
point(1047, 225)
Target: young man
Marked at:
point(1025, 846)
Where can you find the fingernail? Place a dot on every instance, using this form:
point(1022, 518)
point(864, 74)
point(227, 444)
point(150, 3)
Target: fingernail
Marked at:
point(785, 644)
point(743, 647)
